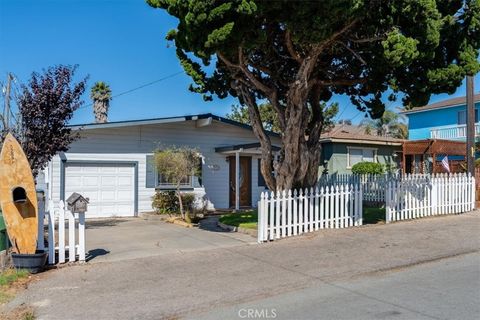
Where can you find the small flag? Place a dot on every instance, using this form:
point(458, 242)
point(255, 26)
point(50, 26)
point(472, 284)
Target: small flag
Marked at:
point(445, 164)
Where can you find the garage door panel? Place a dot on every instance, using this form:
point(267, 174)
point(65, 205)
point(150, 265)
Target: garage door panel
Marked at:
point(125, 194)
point(108, 195)
point(90, 181)
point(109, 187)
point(89, 169)
point(75, 181)
point(125, 181)
point(108, 181)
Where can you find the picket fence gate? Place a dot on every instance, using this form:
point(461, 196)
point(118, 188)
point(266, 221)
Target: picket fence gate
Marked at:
point(290, 213)
point(75, 244)
point(416, 197)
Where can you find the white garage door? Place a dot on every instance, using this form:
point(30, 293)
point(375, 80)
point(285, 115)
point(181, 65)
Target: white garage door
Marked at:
point(110, 187)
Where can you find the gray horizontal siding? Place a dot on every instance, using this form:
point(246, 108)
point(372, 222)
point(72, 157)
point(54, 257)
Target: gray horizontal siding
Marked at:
point(134, 143)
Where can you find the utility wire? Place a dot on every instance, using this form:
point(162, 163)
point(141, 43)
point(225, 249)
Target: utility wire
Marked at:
point(139, 87)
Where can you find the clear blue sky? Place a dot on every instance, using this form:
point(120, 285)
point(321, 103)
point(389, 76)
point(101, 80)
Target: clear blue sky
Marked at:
point(120, 42)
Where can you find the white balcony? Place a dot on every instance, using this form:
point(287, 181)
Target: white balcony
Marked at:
point(455, 132)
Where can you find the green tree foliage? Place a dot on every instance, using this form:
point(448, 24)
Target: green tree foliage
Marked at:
point(101, 96)
point(368, 168)
point(176, 164)
point(295, 54)
point(270, 118)
point(390, 124)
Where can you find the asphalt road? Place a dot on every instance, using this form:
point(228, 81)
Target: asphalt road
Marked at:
point(445, 289)
point(361, 273)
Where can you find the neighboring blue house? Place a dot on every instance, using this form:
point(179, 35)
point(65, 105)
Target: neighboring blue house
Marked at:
point(442, 120)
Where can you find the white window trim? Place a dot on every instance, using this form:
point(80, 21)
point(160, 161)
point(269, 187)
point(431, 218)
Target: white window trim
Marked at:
point(375, 157)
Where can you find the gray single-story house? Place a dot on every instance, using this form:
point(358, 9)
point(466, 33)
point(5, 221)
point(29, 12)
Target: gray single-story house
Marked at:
point(344, 145)
point(112, 164)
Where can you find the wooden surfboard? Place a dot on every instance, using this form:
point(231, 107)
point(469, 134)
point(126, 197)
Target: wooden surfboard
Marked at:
point(18, 197)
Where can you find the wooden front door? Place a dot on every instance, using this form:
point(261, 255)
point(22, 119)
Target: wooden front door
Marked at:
point(245, 181)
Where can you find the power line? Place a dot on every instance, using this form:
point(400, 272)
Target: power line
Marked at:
point(139, 87)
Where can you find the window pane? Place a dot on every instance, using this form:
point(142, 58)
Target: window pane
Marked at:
point(369, 155)
point(462, 117)
point(355, 156)
point(162, 181)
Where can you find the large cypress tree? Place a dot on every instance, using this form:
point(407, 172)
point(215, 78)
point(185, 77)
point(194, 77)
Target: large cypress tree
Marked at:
point(297, 54)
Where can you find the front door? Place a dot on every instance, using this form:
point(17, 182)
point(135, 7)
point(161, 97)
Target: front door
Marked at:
point(245, 181)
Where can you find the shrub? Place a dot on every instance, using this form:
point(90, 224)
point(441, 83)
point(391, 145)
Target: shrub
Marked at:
point(166, 202)
point(188, 200)
point(477, 163)
point(368, 168)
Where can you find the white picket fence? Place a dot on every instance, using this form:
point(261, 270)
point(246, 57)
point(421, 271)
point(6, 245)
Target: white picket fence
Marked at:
point(416, 197)
point(290, 213)
point(373, 185)
point(75, 244)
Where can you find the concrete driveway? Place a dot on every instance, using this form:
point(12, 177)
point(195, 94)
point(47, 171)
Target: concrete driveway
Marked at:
point(131, 238)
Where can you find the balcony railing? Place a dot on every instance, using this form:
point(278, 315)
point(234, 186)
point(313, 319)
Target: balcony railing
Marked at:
point(452, 132)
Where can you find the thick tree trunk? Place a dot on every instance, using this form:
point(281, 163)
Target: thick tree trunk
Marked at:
point(299, 160)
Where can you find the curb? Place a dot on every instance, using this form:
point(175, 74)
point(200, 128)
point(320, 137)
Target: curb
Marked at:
point(250, 232)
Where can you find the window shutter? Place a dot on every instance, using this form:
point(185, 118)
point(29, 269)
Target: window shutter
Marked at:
point(150, 172)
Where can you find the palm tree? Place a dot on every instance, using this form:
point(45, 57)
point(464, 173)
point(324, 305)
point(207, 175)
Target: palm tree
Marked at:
point(101, 96)
point(389, 125)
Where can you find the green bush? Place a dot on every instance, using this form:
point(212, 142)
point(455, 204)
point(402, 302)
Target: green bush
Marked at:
point(166, 202)
point(368, 168)
point(188, 200)
point(477, 163)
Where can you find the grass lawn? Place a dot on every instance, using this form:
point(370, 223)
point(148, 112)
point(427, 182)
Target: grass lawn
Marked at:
point(8, 278)
point(247, 219)
point(373, 215)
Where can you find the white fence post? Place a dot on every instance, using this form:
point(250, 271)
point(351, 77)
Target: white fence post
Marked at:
point(260, 226)
point(51, 233)
point(81, 236)
point(388, 204)
point(71, 237)
point(61, 232)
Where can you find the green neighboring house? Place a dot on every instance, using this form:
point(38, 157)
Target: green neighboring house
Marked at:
point(345, 145)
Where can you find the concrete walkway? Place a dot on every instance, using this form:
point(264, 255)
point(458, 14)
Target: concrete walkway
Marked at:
point(119, 239)
point(190, 283)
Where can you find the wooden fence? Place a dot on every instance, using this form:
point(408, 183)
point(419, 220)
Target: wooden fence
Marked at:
point(62, 219)
point(290, 213)
point(412, 198)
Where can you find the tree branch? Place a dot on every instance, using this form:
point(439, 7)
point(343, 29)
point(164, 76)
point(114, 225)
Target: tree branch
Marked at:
point(372, 39)
point(291, 50)
point(353, 52)
point(259, 131)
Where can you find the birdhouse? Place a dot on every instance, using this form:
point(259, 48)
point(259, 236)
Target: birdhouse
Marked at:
point(76, 203)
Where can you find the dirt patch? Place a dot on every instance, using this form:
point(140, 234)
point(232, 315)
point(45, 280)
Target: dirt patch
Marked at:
point(9, 291)
point(19, 313)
